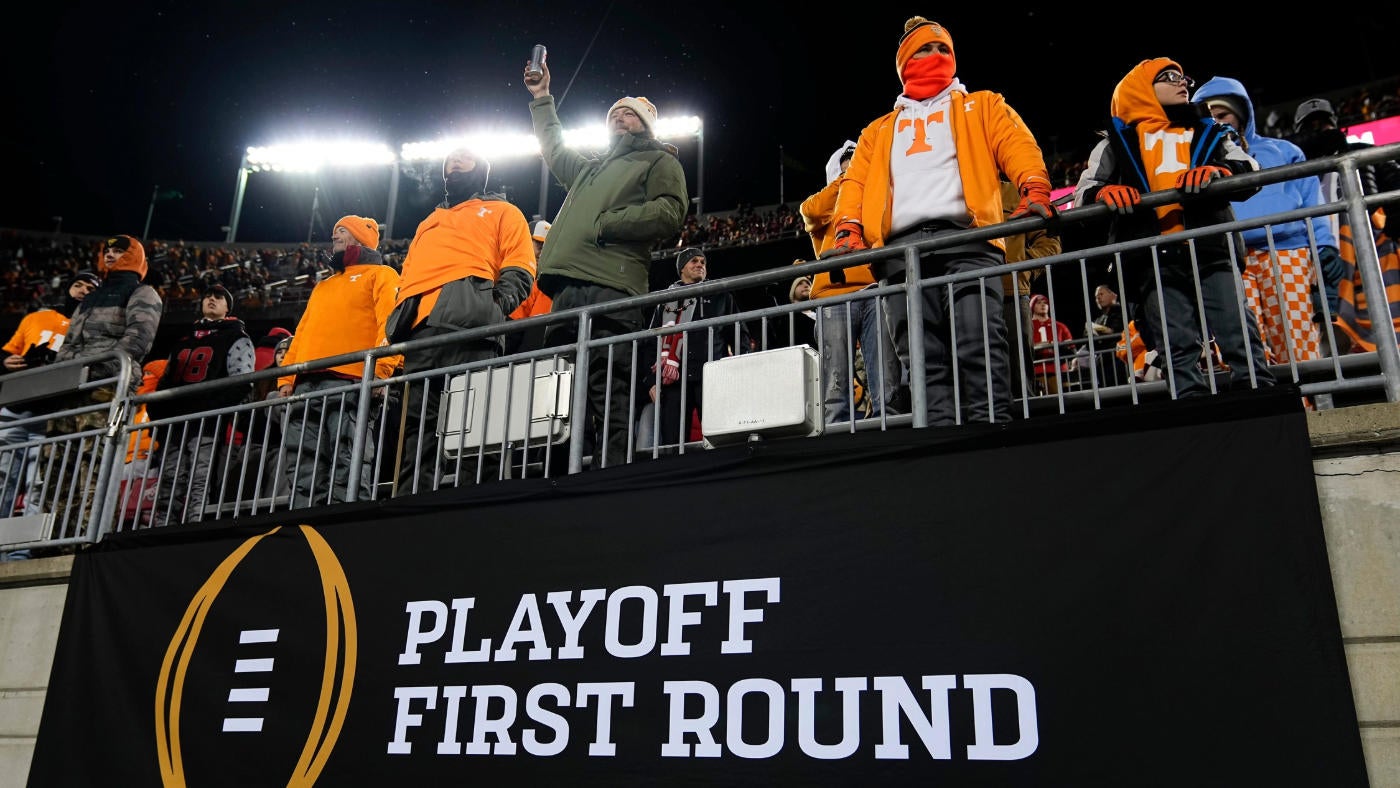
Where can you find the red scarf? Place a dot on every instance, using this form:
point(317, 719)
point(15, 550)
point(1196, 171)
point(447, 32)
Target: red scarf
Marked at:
point(926, 77)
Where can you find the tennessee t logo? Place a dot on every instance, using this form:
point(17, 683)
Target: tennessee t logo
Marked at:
point(920, 142)
point(1174, 148)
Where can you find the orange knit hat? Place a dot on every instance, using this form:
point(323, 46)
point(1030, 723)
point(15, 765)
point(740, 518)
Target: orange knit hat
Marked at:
point(919, 31)
point(362, 229)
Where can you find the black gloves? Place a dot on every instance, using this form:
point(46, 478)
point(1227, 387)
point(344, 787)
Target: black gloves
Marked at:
point(512, 287)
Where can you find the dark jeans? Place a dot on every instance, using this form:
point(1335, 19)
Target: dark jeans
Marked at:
point(421, 455)
point(606, 422)
point(1227, 318)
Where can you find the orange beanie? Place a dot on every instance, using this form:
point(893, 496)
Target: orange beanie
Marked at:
point(362, 229)
point(919, 31)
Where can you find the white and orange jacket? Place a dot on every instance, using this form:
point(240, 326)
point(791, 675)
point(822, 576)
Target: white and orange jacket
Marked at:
point(990, 138)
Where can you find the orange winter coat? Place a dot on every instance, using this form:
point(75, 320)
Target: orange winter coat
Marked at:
point(347, 312)
point(817, 214)
point(991, 139)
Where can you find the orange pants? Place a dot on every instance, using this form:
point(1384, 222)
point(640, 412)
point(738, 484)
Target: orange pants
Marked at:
point(1282, 304)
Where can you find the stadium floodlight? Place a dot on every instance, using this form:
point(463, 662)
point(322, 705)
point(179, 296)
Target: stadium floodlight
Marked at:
point(306, 156)
point(315, 155)
point(499, 146)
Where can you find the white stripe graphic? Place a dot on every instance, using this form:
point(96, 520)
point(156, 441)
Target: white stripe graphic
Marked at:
point(253, 665)
point(242, 724)
point(258, 636)
point(248, 695)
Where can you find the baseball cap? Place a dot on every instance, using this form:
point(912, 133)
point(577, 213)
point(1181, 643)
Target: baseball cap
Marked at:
point(1312, 107)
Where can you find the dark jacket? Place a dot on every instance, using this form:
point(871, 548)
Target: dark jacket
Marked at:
point(214, 349)
point(702, 344)
point(619, 207)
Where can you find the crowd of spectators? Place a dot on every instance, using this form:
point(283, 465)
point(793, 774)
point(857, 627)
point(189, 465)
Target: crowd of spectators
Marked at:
point(33, 265)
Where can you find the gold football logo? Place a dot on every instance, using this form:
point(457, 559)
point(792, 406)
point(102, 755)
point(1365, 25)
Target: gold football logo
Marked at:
point(337, 671)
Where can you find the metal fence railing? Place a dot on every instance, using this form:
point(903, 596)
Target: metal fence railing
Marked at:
point(526, 414)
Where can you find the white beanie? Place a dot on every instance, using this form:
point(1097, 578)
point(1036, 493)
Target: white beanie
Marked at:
point(638, 104)
point(833, 164)
point(541, 230)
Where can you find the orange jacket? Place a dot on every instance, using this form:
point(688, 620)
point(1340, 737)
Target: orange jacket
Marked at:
point(473, 238)
point(537, 303)
point(139, 445)
point(346, 312)
point(817, 212)
point(990, 138)
point(45, 327)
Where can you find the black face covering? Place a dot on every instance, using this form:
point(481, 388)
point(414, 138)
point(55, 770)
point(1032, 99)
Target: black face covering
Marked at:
point(1323, 142)
point(70, 305)
point(460, 186)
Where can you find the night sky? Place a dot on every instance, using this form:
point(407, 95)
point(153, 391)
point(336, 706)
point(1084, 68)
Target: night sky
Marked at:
point(110, 100)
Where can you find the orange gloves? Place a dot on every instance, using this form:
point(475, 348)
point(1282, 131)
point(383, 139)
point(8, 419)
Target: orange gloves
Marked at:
point(850, 237)
point(1197, 178)
point(1119, 199)
point(1035, 199)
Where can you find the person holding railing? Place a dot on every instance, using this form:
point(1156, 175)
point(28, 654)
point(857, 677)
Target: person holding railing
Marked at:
point(1159, 140)
point(932, 167)
point(866, 336)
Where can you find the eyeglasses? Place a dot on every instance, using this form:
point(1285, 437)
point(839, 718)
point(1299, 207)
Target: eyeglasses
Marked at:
point(1173, 77)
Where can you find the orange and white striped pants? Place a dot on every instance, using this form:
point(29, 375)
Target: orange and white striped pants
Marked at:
point(1282, 304)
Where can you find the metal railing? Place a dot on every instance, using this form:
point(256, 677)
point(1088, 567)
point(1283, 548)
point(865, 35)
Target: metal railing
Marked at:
point(526, 414)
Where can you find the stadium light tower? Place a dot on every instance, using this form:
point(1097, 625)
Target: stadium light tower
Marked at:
point(303, 157)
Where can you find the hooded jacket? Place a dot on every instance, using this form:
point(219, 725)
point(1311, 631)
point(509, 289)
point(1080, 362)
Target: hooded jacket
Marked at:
point(122, 314)
point(618, 208)
point(346, 312)
point(818, 212)
point(1304, 192)
point(990, 138)
point(214, 349)
point(1184, 139)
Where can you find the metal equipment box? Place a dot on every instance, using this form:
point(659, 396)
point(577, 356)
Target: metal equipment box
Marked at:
point(772, 393)
point(527, 401)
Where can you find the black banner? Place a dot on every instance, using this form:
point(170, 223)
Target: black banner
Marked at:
point(1121, 598)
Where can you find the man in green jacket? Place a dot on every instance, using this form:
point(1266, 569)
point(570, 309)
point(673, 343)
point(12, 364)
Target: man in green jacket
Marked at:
point(620, 206)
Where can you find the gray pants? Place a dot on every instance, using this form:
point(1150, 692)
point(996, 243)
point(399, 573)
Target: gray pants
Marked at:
point(319, 437)
point(972, 338)
point(186, 467)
